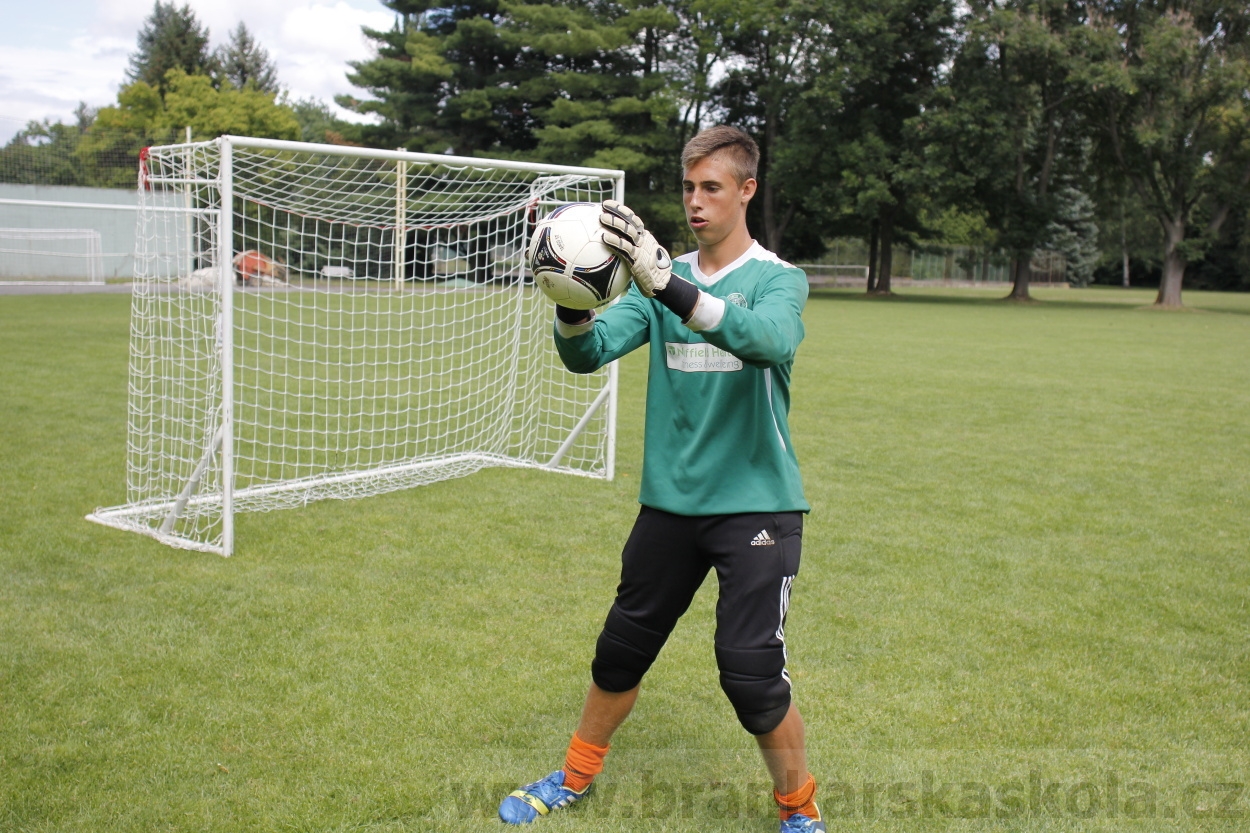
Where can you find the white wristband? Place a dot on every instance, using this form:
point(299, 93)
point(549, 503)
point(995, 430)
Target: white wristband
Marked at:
point(707, 313)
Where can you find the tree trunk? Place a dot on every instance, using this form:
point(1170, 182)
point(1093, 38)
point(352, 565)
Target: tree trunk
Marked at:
point(872, 256)
point(770, 235)
point(775, 221)
point(1124, 245)
point(887, 253)
point(772, 229)
point(1173, 265)
point(1020, 277)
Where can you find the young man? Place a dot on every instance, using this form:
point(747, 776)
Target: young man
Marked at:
point(720, 482)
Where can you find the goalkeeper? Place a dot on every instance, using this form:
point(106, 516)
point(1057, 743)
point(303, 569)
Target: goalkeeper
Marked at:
point(720, 482)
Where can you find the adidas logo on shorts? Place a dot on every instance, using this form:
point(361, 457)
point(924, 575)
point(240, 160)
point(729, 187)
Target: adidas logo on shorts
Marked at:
point(763, 539)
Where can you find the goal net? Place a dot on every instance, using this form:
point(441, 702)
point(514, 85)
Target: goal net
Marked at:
point(39, 255)
point(313, 321)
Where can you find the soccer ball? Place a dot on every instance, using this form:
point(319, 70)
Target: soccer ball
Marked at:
point(569, 261)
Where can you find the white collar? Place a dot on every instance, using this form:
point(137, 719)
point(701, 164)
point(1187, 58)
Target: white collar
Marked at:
point(754, 252)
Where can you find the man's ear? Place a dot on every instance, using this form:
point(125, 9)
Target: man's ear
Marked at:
point(748, 190)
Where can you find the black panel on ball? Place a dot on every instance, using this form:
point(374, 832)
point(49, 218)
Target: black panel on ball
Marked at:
point(544, 254)
point(598, 279)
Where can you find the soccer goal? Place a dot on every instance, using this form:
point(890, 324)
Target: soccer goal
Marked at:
point(51, 255)
point(315, 321)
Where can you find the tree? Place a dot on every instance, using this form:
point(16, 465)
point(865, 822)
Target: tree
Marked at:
point(142, 116)
point(317, 123)
point(191, 100)
point(574, 82)
point(769, 50)
point(888, 61)
point(55, 153)
point(609, 104)
point(1171, 92)
point(1130, 237)
point(1012, 125)
point(444, 80)
point(693, 52)
point(245, 62)
point(1226, 266)
point(171, 38)
point(1073, 233)
point(45, 153)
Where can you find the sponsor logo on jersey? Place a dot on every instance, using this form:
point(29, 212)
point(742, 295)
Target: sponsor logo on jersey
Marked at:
point(700, 357)
point(763, 539)
point(737, 299)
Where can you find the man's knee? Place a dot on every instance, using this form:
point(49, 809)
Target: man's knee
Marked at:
point(756, 684)
point(624, 652)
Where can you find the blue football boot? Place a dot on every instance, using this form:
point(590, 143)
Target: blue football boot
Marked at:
point(539, 799)
point(799, 823)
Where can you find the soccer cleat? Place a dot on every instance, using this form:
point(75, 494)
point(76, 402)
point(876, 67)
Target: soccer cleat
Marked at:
point(540, 798)
point(799, 823)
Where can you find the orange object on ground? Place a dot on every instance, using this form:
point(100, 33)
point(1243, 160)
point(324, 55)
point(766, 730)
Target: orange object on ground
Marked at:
point(251, 264)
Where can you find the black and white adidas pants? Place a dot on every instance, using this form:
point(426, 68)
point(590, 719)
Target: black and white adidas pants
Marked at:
point(756, 557)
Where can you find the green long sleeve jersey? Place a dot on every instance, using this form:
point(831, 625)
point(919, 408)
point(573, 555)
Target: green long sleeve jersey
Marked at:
point(717, 433)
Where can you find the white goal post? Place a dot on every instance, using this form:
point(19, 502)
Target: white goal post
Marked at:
point(316, 321)
point(51, 255)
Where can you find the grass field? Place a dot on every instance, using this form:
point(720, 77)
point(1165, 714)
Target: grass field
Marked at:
point(1024, 602)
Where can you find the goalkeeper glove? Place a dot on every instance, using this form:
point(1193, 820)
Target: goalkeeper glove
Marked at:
point(649, 263)
point(624, 233)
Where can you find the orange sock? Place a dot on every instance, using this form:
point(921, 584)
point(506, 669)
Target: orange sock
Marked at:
point(802, 800)
point(582, 763)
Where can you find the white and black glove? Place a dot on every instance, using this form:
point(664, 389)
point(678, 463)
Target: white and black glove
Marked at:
point(649, 263)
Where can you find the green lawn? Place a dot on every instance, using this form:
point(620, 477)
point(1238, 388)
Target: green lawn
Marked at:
point(1024, 602)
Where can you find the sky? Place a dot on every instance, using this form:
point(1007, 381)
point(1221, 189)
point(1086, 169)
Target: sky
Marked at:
point(56, 53)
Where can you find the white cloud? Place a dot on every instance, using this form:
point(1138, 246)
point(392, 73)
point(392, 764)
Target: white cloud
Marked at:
point(39, 83)
point(317, 42)
point(60, 52)
point(331, 30)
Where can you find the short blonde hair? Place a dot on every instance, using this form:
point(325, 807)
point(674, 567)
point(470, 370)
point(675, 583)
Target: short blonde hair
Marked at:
point(739, 149)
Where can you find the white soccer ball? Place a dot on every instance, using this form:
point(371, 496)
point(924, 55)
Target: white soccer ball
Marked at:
point(569, 261)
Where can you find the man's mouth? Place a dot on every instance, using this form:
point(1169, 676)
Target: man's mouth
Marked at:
point(697, 222)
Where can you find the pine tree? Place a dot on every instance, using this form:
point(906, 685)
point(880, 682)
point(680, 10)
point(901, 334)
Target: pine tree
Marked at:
point(171, 38)
point(571, 82)
point(1074, 234)
point(243, 61)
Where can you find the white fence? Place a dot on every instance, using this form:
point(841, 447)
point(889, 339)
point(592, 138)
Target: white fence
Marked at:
point(951, 265)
